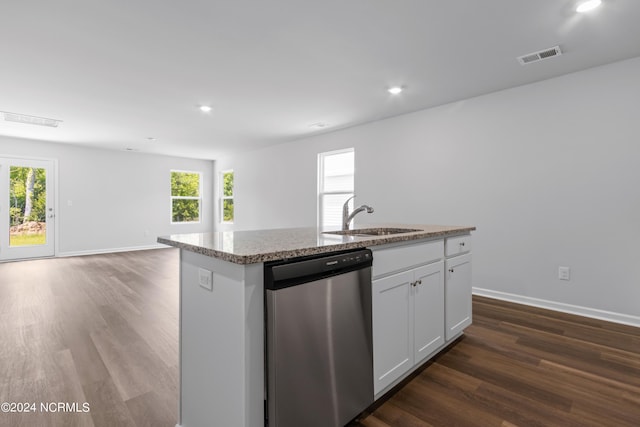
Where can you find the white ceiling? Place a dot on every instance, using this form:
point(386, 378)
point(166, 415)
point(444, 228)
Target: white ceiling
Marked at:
point(117, 72)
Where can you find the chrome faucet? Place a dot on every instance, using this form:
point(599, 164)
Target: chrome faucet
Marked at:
point(346, 218)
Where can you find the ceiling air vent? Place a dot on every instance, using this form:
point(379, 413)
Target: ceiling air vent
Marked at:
point(540, 55)
point(30, 120)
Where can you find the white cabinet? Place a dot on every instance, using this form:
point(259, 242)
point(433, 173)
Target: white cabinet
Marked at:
point(421, 300)
point(457, 290)
point(428, 315)
point(392, 328)
point(408, 321)
point(408, 308)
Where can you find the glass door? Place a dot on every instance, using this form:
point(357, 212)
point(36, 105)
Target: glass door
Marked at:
point(26, 208)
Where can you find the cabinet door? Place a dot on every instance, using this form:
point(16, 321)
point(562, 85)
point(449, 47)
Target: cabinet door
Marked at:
point(457, 295)
point(392, 328)
point(428, 298)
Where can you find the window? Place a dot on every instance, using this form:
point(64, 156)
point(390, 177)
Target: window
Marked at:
point(335, 186)
point(185, 196)
point(226, 200)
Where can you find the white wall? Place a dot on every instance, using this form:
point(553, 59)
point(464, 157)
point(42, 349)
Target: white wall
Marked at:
point(119, 200)
point(548, 172)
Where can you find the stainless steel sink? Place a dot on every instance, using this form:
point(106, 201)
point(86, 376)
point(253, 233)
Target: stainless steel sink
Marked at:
point(380, 231)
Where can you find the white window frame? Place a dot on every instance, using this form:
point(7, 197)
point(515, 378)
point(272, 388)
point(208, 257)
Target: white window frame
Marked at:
point(172, 197)
point(321, 177)
point(223, 197)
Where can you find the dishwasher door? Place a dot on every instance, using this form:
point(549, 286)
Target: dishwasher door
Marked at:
point(319, 350)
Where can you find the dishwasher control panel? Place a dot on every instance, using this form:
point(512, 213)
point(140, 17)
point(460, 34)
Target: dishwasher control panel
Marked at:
point(280, 274)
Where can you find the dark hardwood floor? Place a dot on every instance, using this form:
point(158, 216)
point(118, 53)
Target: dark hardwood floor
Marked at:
point(523, 366)
point(104, 330)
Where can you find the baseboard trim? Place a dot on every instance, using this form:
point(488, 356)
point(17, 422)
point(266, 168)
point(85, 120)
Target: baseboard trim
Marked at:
point(110, 250)
point(594, 313)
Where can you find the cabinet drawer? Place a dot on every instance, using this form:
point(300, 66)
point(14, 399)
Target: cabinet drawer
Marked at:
point(458, 245)
point(398, 258)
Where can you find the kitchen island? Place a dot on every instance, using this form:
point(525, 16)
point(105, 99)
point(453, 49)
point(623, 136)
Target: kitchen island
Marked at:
point(222, 379)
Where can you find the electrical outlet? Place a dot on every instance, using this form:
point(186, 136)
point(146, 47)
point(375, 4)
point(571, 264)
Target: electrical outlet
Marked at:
point(205, 279)
point(564, 273)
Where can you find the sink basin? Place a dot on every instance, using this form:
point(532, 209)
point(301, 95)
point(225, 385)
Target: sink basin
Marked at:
point(382, 231)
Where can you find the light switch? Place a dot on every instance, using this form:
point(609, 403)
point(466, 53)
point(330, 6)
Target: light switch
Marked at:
point(205, 279)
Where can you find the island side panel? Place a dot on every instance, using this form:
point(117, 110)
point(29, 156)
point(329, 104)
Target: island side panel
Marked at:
point(254, 345)
point(221, 344)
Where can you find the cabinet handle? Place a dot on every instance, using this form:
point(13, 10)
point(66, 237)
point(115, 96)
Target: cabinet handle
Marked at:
point(461, 243)
point(451, 270)
point(420, 282)
point(414, 284)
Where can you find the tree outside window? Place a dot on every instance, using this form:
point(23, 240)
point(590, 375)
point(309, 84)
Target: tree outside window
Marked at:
point(185, 196)
point(227, 197)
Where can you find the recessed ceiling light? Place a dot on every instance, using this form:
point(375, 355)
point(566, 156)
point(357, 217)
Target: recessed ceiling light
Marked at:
point(205, 108)
point(395, 90)
point(588, 5)
point(151, 139)
point(131, 149)
point(319, 125)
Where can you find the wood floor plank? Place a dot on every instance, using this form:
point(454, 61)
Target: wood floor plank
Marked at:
point(592, 385)
point(149, 410)
point(593, 415)
point(107, 407)
point(35, 390)
point(372, 421)
point(568, 351)
point(395, 416)
point(521, 410)
point(66, 388)
point(442, 405)
point(89, 364)
point(126, 371)
point(445, 375)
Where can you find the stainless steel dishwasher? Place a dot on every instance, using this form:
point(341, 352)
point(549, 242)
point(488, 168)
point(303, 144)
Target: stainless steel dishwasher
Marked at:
point(319, 351)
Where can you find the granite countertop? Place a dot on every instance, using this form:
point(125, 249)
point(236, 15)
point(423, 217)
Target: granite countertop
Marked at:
point(249, 247)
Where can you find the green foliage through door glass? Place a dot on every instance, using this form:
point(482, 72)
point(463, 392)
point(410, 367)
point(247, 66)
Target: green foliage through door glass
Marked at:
point(27, 183)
